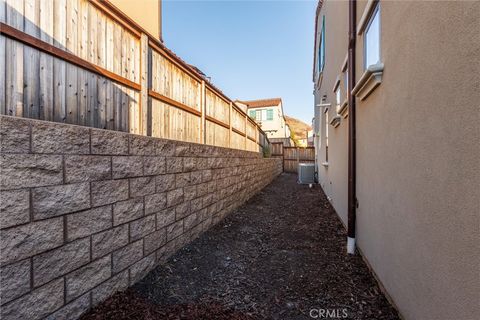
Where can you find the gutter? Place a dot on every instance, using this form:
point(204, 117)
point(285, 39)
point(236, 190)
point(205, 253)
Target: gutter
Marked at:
point(352, 165)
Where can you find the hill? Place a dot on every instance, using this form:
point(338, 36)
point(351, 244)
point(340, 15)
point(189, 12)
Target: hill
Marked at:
point(297, 127)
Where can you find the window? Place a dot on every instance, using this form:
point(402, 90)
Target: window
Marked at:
point(371, 39)
point(270, 114)
point(337, 96)
point(321, 49)
point(252, 114)
point(258, 115)
point(345, 82)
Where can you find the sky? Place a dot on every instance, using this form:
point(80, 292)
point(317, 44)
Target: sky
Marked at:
point(250, 49)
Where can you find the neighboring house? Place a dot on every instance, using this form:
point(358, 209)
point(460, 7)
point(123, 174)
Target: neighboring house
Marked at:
point(306, 140)
point(146, 13)
point(415, 172)
point(268, 113)
point(302, 142)
point(288, 132)
point(310, 138)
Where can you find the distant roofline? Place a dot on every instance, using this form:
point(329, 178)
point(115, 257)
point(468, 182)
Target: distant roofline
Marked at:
point(273, 104)
point(260, 103)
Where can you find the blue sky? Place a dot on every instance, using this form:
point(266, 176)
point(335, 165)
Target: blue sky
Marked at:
point(250, 49)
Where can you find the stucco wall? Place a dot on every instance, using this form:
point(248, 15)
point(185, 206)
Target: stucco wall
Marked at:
point(147, 13)
point(86, 212)
point(333, 178)
point(417, 157)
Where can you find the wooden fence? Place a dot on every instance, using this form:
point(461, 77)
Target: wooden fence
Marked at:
point(84, 62)
point(292, 156)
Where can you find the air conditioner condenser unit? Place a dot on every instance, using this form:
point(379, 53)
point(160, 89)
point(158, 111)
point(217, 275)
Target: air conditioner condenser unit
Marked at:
point(306, 173)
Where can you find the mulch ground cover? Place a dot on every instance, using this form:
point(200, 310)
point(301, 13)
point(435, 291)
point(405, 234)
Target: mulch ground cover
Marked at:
point(279, 256)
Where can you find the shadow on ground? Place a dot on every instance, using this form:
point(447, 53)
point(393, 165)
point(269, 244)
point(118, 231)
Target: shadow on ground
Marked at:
point(279, 256)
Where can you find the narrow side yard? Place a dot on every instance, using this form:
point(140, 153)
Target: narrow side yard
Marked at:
point(280, 256)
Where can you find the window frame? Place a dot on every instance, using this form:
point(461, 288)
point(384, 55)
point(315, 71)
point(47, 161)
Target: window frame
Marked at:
point(258, 115)
point(345, 82)
point(321, 48)
point(374, 12)
point(269, 113)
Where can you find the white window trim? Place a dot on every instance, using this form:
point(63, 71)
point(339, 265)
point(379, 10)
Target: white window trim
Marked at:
point(345, 63)
point(370, 79)
point(375, 9)
point(337, 83)
point(372, 76)
point(335, 122)
point(319, 67)
point(343, 111)
point(365, 16)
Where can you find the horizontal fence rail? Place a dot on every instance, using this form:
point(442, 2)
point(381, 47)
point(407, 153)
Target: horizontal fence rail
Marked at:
point(84, 62)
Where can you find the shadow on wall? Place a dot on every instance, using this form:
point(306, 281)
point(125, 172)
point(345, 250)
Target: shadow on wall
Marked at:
point(39, 86)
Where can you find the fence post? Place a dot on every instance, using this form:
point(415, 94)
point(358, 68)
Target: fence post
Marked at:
point(246, 132)
point(297, 151)
point(202, 110)
point(144, 80)
point(149, 87)
point(230, 124)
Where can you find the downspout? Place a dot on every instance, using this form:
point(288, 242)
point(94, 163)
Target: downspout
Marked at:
point(352, 165)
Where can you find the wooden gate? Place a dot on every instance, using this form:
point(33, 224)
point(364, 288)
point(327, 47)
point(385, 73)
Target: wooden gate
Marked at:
point(292, 156)
point(277, 149)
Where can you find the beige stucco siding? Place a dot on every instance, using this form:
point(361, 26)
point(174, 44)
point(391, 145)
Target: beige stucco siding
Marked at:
point(417, 160)
point(147, 13)
point(417, 155)
point(333, 178)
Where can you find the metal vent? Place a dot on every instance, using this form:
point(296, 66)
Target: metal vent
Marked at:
point(306, 173)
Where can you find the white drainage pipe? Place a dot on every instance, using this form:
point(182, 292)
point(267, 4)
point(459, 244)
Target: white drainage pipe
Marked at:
point(350, 245)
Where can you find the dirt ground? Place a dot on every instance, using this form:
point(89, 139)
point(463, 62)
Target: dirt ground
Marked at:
point(279, 256)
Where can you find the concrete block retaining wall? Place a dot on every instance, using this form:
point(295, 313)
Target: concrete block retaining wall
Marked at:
point(86, 212)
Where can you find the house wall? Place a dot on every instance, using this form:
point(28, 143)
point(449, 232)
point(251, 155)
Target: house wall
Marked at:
point(147, 13)
point(333, 176)
point(86, 212)
point(417, 155)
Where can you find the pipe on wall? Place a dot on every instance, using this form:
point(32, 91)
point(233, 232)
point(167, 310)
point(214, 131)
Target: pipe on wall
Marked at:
point(352, 166)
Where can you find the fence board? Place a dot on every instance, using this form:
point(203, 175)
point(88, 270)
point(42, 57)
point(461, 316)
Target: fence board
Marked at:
point(82, 97)
point(92, 103)
point(71, 89)
point(46, 62)
point(124, 109)
point(101, 117)
point(31, 61)
point(59, 66)
point(14, 61)
point(2, 59)
point(277, 149)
